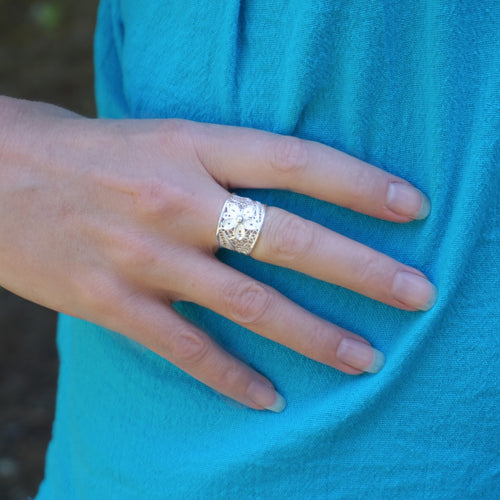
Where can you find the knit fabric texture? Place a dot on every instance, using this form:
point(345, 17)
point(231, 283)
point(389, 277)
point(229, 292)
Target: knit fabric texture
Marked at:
point(411, 87)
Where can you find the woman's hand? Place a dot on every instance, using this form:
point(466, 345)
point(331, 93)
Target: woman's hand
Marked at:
point(114, 220)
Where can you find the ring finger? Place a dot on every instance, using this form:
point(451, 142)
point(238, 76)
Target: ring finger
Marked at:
point(290, 241)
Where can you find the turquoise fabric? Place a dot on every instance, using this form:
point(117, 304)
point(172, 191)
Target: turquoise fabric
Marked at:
point(412, 87)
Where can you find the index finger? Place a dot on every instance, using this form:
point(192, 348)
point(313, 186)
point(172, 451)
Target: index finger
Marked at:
point(239, 157)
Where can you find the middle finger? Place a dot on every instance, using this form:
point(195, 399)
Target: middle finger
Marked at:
point(265, 311)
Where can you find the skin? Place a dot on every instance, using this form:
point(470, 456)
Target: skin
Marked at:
point(112, 221)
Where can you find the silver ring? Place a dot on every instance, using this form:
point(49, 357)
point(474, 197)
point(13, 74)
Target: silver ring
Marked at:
point(240, 223)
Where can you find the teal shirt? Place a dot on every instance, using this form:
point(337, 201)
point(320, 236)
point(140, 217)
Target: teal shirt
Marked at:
point(411, 87)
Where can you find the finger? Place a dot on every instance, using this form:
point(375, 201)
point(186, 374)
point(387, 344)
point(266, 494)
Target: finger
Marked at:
point(266, 312)
point(158, 327)
point(247, 158)
point(289, 241)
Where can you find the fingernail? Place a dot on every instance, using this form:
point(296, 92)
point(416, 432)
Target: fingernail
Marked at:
point(266, 397)
point(407, 200)
point(360, 355)
point(414, 290)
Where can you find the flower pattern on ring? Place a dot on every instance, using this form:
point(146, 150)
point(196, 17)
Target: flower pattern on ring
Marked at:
point(239, 221)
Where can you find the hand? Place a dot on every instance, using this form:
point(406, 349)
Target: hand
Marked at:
point(113, 221)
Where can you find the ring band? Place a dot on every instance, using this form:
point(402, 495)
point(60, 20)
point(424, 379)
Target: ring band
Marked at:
point(240, 223)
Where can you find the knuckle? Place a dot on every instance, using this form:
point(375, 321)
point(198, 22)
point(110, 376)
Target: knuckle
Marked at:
point(175, 134)
point(133, 254)
point(290, 155)
point(173, 128)
point(322, 342)
point(158, 199)
point(292, 239)
point(188, 347)
point(230, 377)
point(96, 293)
point(366, 270)
point(363, 184)
point(247, 302)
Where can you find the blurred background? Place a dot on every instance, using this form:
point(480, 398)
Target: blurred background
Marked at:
point(45, 54)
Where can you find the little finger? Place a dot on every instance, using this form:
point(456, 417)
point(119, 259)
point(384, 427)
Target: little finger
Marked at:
point(158, 327)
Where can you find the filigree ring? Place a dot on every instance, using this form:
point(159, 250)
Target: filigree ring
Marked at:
point(240, 223)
